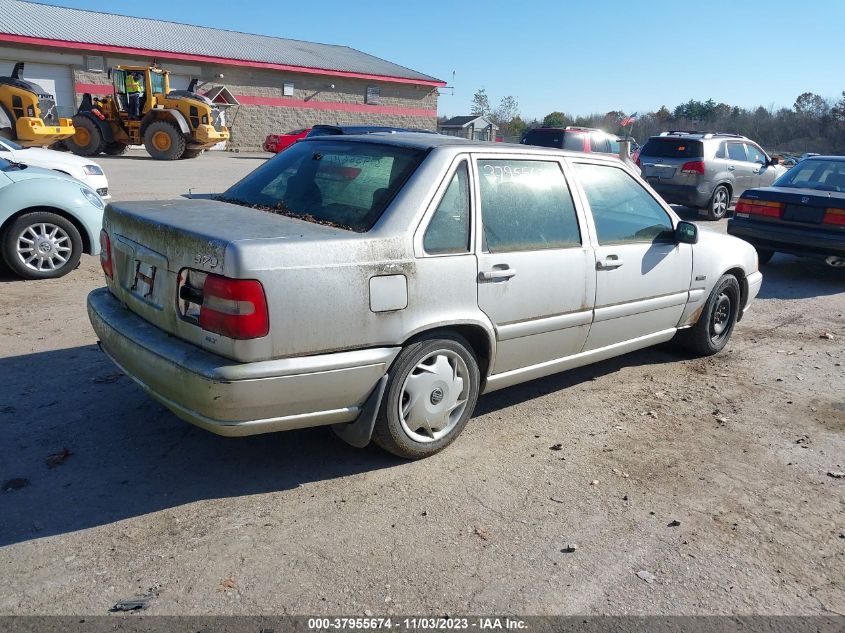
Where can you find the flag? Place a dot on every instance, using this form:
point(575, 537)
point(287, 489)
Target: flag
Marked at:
point(629, 120)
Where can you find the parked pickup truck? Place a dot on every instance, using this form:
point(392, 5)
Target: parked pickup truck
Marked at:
point(380, 283)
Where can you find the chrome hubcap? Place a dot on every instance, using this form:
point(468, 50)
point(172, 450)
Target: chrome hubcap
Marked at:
point(43, 247)
point(721, 316)
point(434, 396)
point(720, 202)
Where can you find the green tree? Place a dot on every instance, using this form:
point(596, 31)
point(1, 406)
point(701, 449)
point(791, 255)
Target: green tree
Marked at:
point(506, 112)
point(555, 119)
point(811, 105)
point(480, 103)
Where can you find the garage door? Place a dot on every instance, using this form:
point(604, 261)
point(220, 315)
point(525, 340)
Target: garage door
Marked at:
point(55, 79)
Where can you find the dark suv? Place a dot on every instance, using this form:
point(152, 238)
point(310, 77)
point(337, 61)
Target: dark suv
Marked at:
point(579, 139)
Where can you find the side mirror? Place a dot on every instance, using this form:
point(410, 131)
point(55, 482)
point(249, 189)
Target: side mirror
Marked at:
point(686, 233)
point(774, 161)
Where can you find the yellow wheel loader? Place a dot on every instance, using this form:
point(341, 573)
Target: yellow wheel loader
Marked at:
point(171, 124)
point(28, 113)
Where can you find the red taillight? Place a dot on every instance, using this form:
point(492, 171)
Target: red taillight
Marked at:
point(759, 207)
point(105, 254)
point(834, 216)
point(235, 308)
point(693, 167)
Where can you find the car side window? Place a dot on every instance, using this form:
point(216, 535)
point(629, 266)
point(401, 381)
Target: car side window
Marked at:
point(736, 151)
point(722, 152)
point(573, 141)
point(526, 205)
point(598, 143)
point(755, 154)
point(623, 211)
point(448, 230)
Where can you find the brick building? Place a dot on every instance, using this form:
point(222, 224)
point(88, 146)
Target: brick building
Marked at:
point(280, 84)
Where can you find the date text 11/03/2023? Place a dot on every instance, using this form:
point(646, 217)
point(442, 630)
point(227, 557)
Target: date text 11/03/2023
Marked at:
point(416, 623)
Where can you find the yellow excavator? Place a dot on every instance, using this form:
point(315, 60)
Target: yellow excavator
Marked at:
point(171, 124)
point(28, 113)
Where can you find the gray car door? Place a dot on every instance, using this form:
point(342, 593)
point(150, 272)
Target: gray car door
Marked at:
point(536, 272)
point(744, 172)
point(642, 275)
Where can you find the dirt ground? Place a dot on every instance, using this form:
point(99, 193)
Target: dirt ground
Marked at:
point(712, 476)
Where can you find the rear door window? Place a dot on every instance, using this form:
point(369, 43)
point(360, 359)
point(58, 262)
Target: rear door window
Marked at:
point(736, 151)
point(574, 141)
point(448, 230)
point(599, 143)
point(526, 205)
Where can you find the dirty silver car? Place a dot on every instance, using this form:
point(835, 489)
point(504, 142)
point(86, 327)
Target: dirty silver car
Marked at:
point(380, 284)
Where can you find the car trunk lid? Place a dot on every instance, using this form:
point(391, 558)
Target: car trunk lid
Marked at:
point(823, 210)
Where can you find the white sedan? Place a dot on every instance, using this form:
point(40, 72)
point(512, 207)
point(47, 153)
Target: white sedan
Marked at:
point(83, 169)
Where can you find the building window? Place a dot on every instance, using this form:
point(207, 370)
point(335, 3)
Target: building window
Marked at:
point(372, 94)
point(95, 63)
point(288, 89)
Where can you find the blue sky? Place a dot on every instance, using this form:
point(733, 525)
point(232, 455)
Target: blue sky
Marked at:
point(575, 56)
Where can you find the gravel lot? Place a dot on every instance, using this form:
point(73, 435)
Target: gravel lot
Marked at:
point(709, 474)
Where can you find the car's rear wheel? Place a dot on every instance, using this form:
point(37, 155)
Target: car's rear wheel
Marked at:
point(430, 396)
point(718, 318)
point(41, 245)
point(719, 203)
point(764, 255)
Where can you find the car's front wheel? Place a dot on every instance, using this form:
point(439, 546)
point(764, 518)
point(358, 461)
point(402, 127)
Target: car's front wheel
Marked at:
point(41, 245)
point(430, 396)
point(718, 318)
point(719, 203)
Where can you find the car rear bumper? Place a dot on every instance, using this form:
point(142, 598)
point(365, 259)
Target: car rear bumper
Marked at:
point(230, 398)
point(795, 240)
point(687, 195)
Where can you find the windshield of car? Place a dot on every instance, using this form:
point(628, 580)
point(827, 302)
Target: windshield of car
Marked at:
point(825, 175)
point(663, 147)
point(342, 184)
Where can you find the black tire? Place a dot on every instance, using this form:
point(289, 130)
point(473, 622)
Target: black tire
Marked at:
point(88, 140)
point(718, 318)
point(154, 141)
point(34, 220)
point(717, 208)
point(391, 433)
point(116, 149)
point(191, 153)
point(764, 256)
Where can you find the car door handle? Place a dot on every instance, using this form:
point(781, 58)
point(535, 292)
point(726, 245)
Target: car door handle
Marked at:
point(499, 273)
point(609, 263)
point(755, 171)
point(731, 168)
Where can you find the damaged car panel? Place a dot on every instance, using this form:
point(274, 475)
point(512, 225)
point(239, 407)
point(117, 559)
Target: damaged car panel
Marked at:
point(381, 284)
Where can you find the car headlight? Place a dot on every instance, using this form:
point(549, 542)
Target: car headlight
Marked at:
point(92, 170)
point(93, 198)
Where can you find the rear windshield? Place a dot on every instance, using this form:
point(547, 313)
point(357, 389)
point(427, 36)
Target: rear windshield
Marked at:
point(343, 184)
point(561, 139)
point(672, 148)
point(825, 175)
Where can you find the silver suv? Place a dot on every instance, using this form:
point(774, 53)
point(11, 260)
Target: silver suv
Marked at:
point(705, 170)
